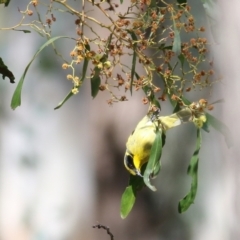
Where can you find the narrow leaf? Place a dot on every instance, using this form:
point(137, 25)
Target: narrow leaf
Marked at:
point(128, 198)
point(107, 45)
point(153, 4)
point(181, 59)
point(137, 75)
point(127, 201)
point(25, 31)
point(6, 2)
point(182, 1)
point(221, 127)
point(157, 167)
point(212, 11)
point(186, 101)
point(95, 82)
point(16, 99)
point(205, 126)
point(153, 165)
point(85, 64)
point(173, 103)
point(163, 47)
point(133, 68)
point(84, 71)
point(134, 38)
point(177, 107)
point(185, 203)
point(218, 101)
point(177, 40)
point(64, 100)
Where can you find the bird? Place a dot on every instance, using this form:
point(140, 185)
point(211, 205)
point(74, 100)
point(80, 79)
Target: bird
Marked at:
point(139, 143)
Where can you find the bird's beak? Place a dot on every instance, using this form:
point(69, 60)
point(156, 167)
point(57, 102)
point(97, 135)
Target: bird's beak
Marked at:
point(139, 173)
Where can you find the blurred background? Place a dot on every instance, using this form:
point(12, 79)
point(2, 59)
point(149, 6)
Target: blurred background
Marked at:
point(61, 171)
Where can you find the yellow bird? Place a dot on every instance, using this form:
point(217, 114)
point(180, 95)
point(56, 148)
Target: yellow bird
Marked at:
point(139, 143)
point(139, 146)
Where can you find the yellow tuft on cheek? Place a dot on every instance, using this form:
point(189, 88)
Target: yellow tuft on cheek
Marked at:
point(139, 163)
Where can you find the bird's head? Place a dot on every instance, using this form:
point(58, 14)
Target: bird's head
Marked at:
point(131, 164)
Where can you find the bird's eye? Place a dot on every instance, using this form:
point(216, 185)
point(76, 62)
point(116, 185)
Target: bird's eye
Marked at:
point(129, 162)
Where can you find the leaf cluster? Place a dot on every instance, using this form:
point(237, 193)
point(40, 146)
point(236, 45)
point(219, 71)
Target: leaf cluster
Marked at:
point(148, 32)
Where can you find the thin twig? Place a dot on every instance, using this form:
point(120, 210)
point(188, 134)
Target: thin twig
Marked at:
point(106, 228)
point(83, 19)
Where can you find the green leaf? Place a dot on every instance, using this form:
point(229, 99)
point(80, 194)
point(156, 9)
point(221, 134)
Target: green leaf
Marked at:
point(16, 99)
point(205, 126)
point(84, 71)
point(25, 31)
point(163, 139)
point(64, 100)
point(6, 2)
point(221, 127)
point(177, 107)
point(133, 68)
point(107, 46)
point(136, 75)
point(153, 4)
point(129, 196)
point(153, 165)
point(218, 101)
point(127, 201)
point(121, 1)
point(182, 1)
point(85, 64)
point(134, 38)
point(212, 11)
point(173, 103)
point(163, 47)
point(157, 167)
point(95, 82)
point(177, 40)
point(186, 101)
point(181, 59)
point(137, 181)
point(185, 203)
